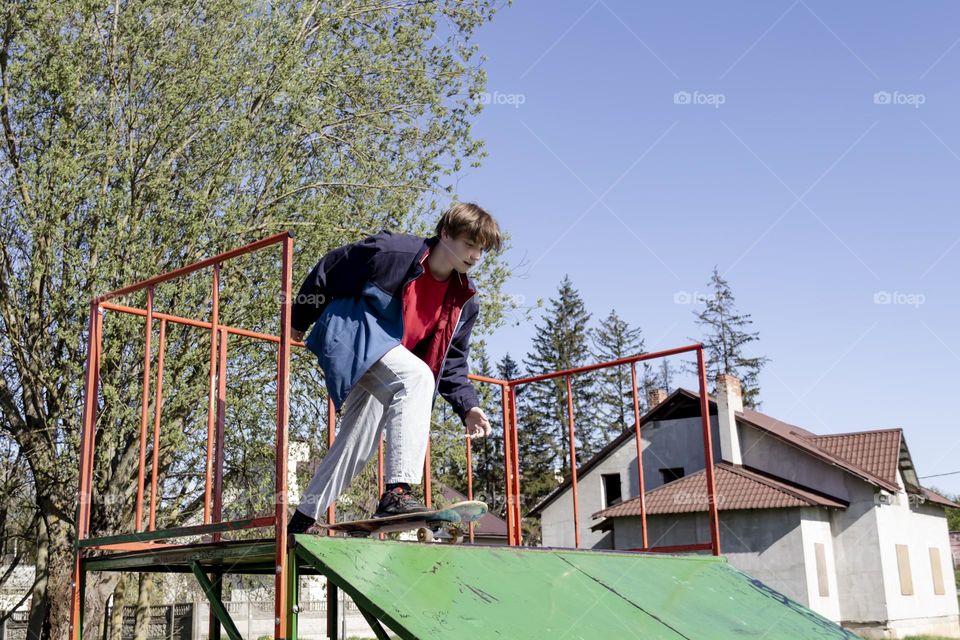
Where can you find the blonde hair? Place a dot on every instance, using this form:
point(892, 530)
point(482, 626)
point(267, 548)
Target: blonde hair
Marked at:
point(470, 220)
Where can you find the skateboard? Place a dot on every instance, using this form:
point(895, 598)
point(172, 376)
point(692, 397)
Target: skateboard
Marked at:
point(450, 522)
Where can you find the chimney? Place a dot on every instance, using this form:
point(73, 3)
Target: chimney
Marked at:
point(729, 401)
point(655, 397)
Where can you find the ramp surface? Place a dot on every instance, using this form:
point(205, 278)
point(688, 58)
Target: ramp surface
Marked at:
point(432, 591)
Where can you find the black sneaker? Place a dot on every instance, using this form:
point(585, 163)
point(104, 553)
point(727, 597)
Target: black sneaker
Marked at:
point(398, 502)
point(299, 523)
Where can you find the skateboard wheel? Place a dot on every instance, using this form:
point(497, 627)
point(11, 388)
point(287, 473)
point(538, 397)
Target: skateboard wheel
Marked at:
point(424, 535)
point(453, 536)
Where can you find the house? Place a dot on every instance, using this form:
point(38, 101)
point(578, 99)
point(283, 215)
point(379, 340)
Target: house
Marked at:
point(836, 522)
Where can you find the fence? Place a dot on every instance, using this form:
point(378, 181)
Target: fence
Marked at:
point(15, 626)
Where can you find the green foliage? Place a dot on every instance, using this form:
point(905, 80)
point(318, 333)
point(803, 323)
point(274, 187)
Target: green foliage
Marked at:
point(562, 342)
point(613, 340)
point(953, 515)
point(726, 335)
point(142, 136)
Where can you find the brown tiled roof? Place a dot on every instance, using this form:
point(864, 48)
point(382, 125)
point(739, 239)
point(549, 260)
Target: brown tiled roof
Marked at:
point(803, 440)
point(876, 451)
point(936, 498)
point(737, 488)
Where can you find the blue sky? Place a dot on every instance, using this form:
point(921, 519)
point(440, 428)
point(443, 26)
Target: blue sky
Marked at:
point(808, 149)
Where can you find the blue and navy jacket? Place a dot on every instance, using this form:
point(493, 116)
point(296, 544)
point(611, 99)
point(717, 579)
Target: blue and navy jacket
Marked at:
point(354, 298)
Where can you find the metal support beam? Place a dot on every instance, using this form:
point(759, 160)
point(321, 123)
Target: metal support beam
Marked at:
point(216, 605)
point(178, 532)
point(83, 596)
point(374, 625)
point(333, 605)
point(293, 593)
point(213, 622)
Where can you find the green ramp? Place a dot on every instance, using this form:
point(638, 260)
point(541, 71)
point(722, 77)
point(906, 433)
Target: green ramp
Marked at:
point(433, 591)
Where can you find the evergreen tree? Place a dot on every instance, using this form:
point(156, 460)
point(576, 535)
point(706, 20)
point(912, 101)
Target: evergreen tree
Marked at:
point(615, 339)
point(535, 444)
point(726, 334)
point(489, 468)
point(562, 342)
point(507, 368)
point(664, 376)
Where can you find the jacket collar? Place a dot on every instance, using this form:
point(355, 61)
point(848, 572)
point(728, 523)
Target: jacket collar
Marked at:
point(459, 281)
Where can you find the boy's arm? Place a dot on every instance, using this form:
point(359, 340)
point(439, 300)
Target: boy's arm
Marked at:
point(340, 273)
point(454, 385)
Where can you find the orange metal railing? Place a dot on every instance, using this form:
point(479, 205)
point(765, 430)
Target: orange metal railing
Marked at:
point(146, 537)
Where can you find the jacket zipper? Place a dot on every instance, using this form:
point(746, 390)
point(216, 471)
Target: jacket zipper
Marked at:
point(443, 360)
point(446, 350)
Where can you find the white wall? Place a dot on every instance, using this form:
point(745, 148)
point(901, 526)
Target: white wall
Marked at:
point(856, 551)
point(815, 529)
point(768, 453)
point(919, 527)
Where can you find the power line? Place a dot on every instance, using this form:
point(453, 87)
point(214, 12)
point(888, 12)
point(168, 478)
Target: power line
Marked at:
point(939, 475)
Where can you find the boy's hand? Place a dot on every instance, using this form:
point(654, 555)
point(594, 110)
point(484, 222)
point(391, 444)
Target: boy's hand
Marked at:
point(296, 335)
point(477, 424)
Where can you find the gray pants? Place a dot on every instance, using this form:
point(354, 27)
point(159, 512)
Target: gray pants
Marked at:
point(395, 394)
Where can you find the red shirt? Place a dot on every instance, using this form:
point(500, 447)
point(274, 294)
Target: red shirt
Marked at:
point(421, 309)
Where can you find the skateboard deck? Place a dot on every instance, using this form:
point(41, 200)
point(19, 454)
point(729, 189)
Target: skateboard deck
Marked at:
point(452, 520)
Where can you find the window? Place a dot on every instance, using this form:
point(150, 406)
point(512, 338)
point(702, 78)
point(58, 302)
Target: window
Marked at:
point(671, 474)
point(936, 570)
point(903, 564)
point(822, 581)
point(611, 489)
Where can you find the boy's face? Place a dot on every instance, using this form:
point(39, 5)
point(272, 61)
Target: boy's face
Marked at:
point(462, 253)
